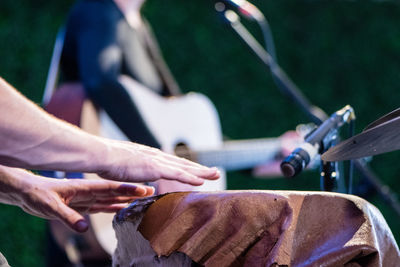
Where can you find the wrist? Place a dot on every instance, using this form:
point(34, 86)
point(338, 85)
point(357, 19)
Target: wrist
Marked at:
point(103, 156)
point(13, 185)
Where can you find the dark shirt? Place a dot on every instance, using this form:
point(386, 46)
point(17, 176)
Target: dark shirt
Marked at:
point(100, 46)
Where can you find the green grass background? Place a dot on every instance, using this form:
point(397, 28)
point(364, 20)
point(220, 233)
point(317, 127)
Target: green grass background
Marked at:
point(337, 52)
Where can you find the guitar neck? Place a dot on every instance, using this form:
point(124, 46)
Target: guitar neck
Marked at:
point(238, 155)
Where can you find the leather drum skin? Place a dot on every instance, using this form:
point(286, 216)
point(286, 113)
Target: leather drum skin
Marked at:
point(253, 228)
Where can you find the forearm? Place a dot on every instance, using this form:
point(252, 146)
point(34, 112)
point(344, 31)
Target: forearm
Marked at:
point(33, 139)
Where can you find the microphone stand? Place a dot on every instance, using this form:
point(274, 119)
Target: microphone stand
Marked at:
point(282, 80)
point(331, 178)
point(317, 115)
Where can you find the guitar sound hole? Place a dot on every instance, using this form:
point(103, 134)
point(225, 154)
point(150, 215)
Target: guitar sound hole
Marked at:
point(182, 150)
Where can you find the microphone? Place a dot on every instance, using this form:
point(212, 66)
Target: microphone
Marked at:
point(301, 156)
point(247, 9)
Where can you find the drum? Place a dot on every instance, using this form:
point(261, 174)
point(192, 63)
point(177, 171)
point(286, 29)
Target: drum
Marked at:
point(253, 228)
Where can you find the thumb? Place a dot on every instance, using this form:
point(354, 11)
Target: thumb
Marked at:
point(72, 218)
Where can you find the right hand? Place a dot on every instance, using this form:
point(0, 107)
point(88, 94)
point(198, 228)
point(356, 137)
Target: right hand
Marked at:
point(131, 162)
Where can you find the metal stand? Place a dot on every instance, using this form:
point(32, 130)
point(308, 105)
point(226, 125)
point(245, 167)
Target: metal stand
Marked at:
point(282, 80)
point(316, 115)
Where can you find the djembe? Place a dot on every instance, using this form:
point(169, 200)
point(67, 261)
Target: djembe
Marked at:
point(253, 228)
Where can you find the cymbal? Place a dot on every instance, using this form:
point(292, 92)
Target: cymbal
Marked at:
point(381, 136)
point(391, 115)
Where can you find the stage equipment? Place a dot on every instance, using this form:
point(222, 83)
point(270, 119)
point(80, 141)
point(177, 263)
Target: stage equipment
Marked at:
point(281, 79)
point(379, 137)
point(251, 12)
point(247, 9)
point(316, 115)
point(317, 141)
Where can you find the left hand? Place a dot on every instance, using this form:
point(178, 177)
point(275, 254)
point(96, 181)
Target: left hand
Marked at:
point(66, 199)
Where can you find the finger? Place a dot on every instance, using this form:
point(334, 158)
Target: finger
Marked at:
point(124, 189)
point(133, 190)
point(110, 199)
point(186, 162)
point(71, 218)
point(98, 188)
point(209, 174)
point(95, 208)
point(84, 199)
point(90, 199)
point(198, 170)
point(150, 190)
point(156, 153)
point(104, 200)
point(172, 173)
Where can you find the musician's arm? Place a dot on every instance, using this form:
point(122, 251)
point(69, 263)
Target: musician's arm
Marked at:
point(31, 138)
point(100, 59)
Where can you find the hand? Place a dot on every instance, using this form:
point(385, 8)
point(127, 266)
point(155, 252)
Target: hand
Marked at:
point(64, 199)
point(137, 163)
point(289, 142)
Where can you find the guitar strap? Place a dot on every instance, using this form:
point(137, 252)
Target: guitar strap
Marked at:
point(155, 54)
